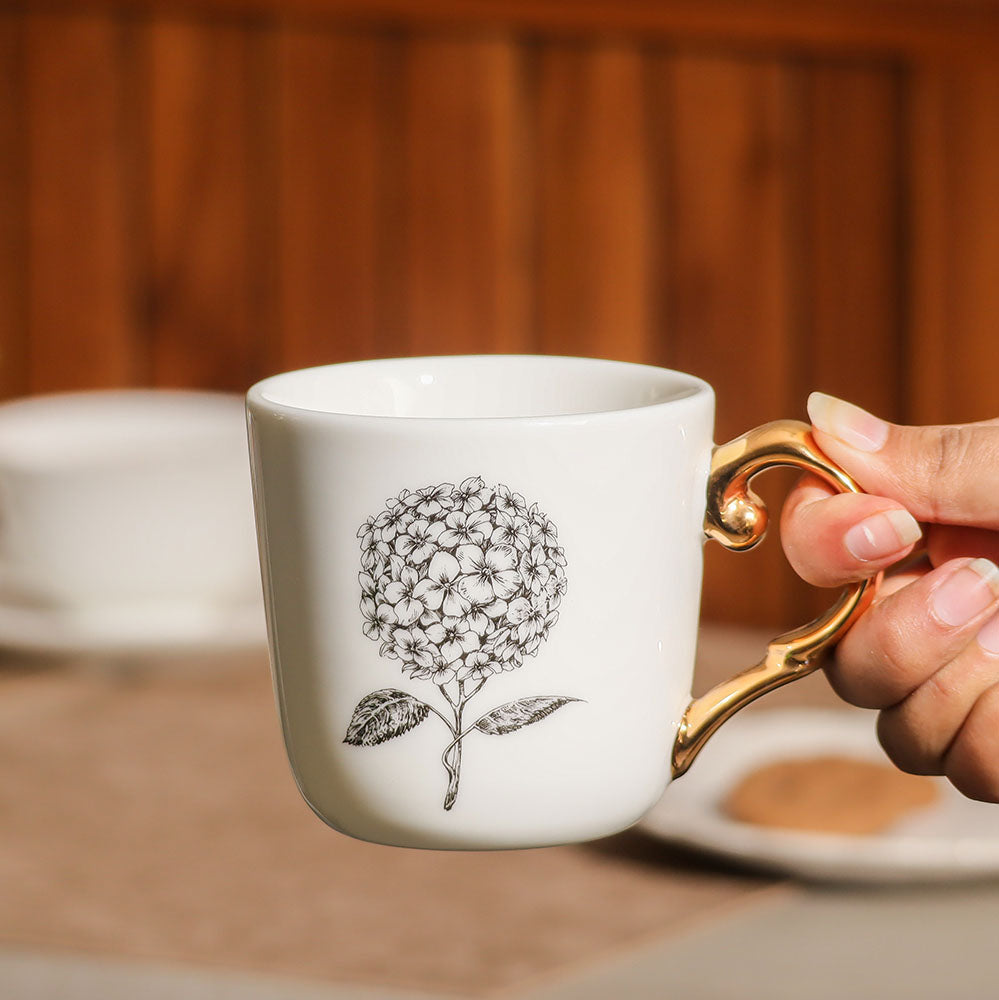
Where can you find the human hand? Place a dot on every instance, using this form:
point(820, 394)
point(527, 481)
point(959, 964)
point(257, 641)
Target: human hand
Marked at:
point(926, 653)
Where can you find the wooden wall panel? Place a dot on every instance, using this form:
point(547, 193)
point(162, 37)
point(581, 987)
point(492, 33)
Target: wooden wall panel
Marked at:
point(205, 137)
point(331, 134)
point(852, 282)
point(728, 274)
point(198, 200)
point(13, 198)
point(728, 259)
point(595, 213)
point(850, 270)
point(954, 208)
point(465, 233)
point(80, 286)
point(883, 27)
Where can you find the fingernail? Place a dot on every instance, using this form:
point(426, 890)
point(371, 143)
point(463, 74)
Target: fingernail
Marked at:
point(882, 534)
point(988, 638)
point(852, 425)
point(966, 593)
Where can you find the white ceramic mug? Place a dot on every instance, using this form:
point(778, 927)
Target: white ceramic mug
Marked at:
point(482, 578)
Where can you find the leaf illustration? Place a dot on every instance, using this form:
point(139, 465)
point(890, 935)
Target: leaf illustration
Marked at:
point(515, 715)
point(383, 714)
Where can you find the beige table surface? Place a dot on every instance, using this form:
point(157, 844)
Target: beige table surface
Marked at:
point(152, 843)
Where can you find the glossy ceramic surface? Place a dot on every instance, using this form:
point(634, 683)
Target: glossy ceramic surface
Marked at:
point(562, 733)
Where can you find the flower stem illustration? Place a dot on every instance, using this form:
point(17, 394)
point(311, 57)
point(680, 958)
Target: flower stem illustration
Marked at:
point(451, 757)
point(458, 584)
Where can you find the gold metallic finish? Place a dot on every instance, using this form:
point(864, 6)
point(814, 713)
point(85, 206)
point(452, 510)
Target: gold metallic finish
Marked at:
point(737, 518)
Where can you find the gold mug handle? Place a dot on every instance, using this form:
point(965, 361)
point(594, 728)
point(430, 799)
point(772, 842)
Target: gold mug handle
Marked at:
point(737, 518)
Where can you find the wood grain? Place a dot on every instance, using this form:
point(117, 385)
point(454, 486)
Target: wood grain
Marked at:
point(204, 136)
point(954, 208)
point(13, 203)
point(594, 208)
point(729, 277)
point(912, 26)
point(329, 146)
point(851, 233)
point(79, 285)
point(466, 236)
point(848, 228)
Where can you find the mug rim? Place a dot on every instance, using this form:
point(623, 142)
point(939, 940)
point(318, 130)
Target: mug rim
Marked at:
point(681, 389)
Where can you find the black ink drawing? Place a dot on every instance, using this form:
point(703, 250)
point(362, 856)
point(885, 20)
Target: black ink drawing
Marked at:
point(457, 584)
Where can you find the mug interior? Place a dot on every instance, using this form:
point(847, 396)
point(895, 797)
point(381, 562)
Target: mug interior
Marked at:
point(477, 386)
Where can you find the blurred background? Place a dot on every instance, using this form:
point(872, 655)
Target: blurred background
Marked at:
point(776, 196)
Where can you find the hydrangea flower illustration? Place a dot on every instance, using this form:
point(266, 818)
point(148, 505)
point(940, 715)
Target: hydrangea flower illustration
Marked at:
point(458, 583)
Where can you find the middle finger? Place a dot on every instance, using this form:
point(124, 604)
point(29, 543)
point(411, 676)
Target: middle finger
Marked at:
point(906, 637)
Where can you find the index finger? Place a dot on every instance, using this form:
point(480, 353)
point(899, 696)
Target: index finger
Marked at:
point(944, 474)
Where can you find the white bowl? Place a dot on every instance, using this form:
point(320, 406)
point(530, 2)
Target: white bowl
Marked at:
point(130, 497)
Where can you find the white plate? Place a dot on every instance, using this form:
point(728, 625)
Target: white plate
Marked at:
point(954, 838)
point(132, 631)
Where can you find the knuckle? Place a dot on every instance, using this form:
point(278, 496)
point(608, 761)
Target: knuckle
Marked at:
point(949, 458)
point(938, 691)
point(893, 646)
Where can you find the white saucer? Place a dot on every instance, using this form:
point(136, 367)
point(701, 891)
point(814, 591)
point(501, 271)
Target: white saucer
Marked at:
point(132, 631)
point(953, 839)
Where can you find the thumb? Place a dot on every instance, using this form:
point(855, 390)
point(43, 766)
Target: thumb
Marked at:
point(947, 474)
